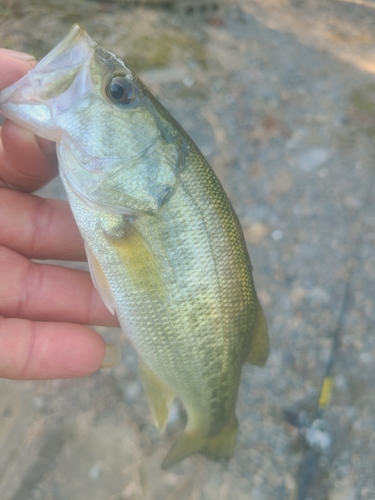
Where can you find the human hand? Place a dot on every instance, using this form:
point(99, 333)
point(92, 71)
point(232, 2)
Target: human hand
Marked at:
point(43, 307)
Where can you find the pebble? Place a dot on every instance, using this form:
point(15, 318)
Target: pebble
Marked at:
point(264, 297)
point(277, 235)
point(366, 357)
point(281, 182)
point(188, 81)
point(352, 202)
point(38, 402)
point(366, 492)
point(174, 414)
point(297, 295)
point(312, 158)
point(95, 471)
point(318, 295)
point(343, 490)
point(133, 389)
point(255, 232)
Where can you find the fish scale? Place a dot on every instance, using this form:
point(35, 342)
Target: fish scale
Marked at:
point(165, 248)
point(217, 336)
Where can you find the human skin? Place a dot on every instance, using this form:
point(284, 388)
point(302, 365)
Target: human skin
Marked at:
point(44, 308)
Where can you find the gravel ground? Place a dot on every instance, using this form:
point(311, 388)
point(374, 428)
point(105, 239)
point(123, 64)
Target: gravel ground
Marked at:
point(280, 97)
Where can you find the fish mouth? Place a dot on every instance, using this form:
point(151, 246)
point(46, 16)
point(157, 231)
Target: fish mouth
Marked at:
point(60, 79)
point(76, 38)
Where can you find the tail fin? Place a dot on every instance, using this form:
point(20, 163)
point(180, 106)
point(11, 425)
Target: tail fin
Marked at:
point(215, 447)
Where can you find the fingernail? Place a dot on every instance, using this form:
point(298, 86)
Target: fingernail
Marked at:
point(112, 356)
point(22, 56)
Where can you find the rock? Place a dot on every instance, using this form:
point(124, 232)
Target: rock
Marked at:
point(281, 182)
point(312, 158)
point(297, 295)
point(277, 235)
point(343, 490)
point(318, 295)
point(255, 232)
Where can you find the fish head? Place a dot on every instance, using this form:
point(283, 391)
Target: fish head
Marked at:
point(118, 147)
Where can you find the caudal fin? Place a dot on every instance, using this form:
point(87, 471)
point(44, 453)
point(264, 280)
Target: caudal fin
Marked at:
point(215, 447)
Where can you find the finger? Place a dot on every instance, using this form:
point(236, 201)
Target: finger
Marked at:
point(24, 165)
point(34, 350)
point(39, 228)
point(49, 293)
point(25, 161)
point(14, 65)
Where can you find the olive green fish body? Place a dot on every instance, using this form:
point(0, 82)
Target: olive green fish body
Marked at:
point(164, 245)
point(192, 322)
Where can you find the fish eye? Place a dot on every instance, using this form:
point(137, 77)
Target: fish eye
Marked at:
point(120, 90)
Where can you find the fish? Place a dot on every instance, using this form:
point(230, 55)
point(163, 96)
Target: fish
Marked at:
point(165, 248)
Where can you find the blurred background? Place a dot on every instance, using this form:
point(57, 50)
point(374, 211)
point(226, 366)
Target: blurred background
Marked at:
point(280, 97)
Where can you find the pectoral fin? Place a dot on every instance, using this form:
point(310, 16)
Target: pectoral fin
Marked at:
point(159, 396)
point(139, 260)
point(259, 347)
point(99, 279)
point(216, 447)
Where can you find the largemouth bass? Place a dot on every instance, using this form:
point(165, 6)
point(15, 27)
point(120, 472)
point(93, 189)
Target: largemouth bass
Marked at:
point(164, 246)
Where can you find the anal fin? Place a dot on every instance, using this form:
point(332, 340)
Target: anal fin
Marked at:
point(159, 396)
point(259, 346)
